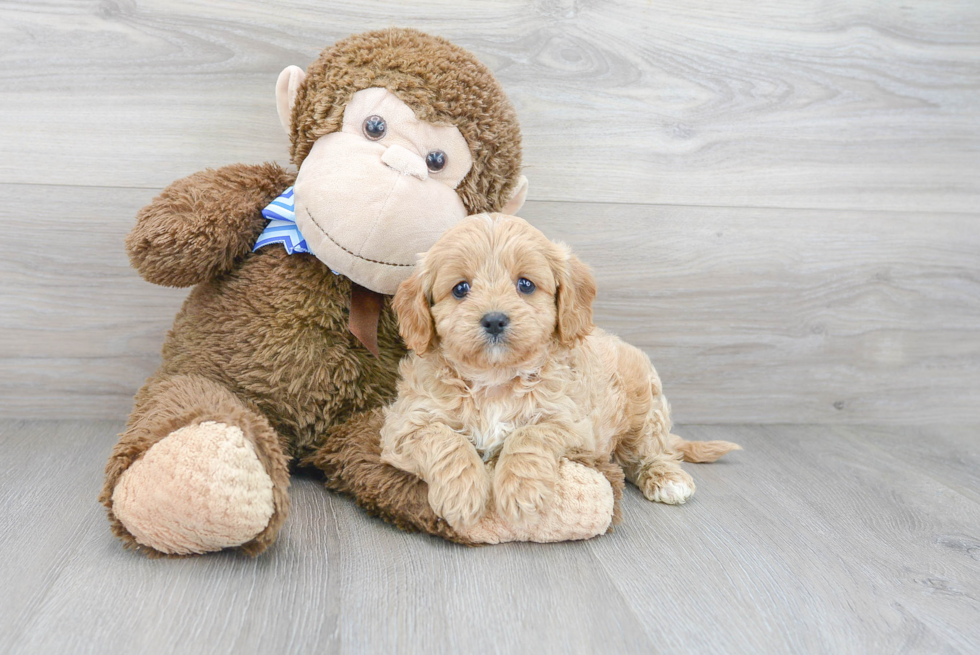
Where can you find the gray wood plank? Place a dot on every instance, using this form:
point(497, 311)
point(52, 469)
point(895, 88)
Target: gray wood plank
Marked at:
point(787, 316)
point(947, 452)
point(435, 597)
point(811, 540)
point(750, 315)
point(863, 104)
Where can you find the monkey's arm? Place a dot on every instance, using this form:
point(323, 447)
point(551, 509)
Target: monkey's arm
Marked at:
point(200, 225)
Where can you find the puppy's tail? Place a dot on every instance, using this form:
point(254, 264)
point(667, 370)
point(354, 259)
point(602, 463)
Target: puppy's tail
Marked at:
point(702, 451)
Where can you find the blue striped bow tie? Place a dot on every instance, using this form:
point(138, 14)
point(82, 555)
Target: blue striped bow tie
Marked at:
point(281, 213)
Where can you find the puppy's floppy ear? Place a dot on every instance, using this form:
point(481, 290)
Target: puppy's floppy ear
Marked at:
point(411, 304)
point(576, 291)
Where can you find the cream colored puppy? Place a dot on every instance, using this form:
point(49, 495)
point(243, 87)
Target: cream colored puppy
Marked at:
point(507, 366)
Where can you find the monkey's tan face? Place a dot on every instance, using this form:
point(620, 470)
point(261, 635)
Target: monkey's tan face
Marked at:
point(371, 197)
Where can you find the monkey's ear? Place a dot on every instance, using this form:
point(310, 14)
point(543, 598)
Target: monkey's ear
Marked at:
point(517, 199)
point(411, 304)
point(286, 87)
point(576, 291)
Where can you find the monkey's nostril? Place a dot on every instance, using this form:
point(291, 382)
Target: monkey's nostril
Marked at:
point(494, 323)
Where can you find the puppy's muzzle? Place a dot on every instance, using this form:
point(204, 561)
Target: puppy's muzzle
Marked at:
point(494, 324)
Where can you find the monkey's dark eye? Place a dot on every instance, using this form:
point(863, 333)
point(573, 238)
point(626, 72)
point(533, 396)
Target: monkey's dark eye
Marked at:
point(375, 127)
point(460, 290)
point(525, 286)
point(436, 160)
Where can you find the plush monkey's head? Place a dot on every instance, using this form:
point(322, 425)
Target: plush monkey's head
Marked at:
point(398, 135)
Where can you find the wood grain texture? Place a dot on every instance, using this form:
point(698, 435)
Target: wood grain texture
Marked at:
point(856, 105)
point(948, 453)
point(814, 539)
point(750, 315)
point(774, 315)
point(813, 542)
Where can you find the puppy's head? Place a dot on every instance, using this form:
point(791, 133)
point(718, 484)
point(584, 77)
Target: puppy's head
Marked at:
point(495, 292)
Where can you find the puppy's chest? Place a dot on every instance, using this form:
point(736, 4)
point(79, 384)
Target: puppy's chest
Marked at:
point(488, 419)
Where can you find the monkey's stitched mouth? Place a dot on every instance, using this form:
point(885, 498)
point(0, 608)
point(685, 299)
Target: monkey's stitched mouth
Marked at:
point(316, 224)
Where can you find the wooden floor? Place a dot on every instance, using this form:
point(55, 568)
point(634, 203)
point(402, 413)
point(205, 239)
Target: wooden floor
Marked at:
point(813, 539)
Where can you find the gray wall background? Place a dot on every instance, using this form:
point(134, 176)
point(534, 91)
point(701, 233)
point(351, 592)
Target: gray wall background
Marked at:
point(779, 199)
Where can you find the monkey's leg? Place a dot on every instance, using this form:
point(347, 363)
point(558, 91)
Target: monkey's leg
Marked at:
point(196, 471)
point(350, 456)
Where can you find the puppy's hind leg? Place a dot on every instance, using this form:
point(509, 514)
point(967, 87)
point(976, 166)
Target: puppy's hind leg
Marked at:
point(661, 479)
point(649, 454)
point(657, 470)
point(651, 464)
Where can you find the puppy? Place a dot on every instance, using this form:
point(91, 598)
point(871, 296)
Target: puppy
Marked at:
point(507, 366)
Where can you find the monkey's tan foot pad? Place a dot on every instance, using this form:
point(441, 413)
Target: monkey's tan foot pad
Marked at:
point(199, 489)
point(582, 508)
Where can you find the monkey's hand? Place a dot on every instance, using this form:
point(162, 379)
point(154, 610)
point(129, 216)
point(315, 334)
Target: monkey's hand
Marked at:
point(199, 226)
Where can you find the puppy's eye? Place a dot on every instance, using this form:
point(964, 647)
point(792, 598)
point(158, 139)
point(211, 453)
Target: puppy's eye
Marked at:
point(460, 290)
point(525, 286)
point(436, 160)
point(375, 127)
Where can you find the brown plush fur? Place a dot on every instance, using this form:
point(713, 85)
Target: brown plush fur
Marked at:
point(262, 341)
point(351, 460)
point(443, 84)
point(269, 331)
point(273, 328)
point(205, 224)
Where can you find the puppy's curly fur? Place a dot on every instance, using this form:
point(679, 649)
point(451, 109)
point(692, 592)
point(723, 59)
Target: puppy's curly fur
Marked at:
point(546, 385)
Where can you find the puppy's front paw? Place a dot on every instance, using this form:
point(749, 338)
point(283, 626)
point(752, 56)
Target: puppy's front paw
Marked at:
point(459, 490)
point(672, 487)
point(523, 485)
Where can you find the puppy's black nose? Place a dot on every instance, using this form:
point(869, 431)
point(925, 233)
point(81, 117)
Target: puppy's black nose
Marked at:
point(494, 323)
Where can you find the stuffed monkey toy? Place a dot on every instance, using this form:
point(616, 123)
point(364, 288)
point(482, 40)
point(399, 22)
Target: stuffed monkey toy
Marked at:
point(287, 345)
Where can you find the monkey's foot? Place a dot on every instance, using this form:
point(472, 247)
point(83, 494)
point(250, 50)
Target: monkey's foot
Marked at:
point(199, 489)
point(581, 508)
